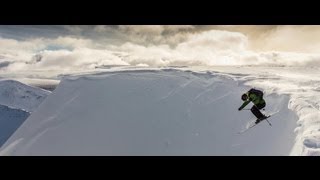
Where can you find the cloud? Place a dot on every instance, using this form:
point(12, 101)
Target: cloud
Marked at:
point(303, 39)
point(19, 50)
point(79, 58)
point(143, 30)
point(164, 45)
point(155, 34)
point(71, 42)
point(216, 41)
point(286, 38)
point(74, 29)
point(212, 48)
point(207, 48)
point(178, 28)
point(25, 49)
point(103, 29)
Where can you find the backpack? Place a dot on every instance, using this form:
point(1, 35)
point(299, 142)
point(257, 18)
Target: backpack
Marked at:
point(256, 92)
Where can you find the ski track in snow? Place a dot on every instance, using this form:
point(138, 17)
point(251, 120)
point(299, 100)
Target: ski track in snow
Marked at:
point(11, 147)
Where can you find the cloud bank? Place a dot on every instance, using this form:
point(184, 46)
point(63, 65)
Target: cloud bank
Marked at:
point(89, 47)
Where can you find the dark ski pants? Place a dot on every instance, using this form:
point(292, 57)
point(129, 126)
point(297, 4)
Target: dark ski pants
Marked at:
point(256, 110)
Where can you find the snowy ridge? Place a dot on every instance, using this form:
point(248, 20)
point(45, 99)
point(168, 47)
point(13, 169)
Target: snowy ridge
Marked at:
point(302, 86)
point(163, 112)
point(308, 130)
point(21, 96)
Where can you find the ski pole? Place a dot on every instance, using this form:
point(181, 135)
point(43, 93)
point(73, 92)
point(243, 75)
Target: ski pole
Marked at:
point(268, 122)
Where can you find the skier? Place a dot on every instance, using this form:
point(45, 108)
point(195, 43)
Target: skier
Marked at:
point(256, 96)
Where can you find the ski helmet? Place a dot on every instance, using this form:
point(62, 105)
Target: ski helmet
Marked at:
point(244, 97)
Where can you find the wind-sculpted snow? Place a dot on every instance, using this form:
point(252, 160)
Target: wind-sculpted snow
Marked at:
point(302, 87)
point(162, 112)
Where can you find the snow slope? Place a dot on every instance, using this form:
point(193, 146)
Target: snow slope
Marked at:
point(17, 101)
point(10, 120)
point(152, 112)
point(301, 84)
point(21, 96)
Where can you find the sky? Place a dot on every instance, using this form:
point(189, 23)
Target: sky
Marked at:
point(73, 47)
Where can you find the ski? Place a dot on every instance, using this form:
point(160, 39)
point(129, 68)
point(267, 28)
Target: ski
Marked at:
point(253, 123)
